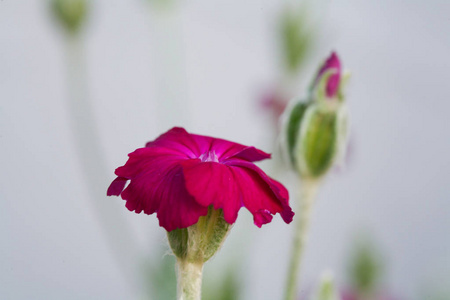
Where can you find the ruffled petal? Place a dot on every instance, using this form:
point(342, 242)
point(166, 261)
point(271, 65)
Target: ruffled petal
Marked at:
point(273, 196)
point(251, 154)
point(212, 183)
point(231, 187)
point(179, 140)
point(157, 185)
point(116, 187)
point(139, 160)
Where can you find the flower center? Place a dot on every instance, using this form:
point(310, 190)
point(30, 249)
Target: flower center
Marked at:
point(209, 156)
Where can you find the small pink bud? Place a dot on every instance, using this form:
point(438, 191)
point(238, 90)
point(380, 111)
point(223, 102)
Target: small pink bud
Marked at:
point(333, 65)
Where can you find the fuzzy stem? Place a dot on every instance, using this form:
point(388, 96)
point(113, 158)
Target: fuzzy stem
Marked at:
point(189, 280)
point(308, 193)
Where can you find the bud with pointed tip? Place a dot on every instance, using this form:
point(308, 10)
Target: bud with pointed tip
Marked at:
point(316, 129)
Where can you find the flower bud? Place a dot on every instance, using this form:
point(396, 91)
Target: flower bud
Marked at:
point(316, 129)
point(365, 269)
point(297, 36)
point(71, 13)
point(199, 242)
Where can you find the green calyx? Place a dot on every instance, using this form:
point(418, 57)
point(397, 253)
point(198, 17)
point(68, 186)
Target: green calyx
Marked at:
point(199, 242)
point(293, 127)
point(318, 144)
point(71, 13)
point(316, 136)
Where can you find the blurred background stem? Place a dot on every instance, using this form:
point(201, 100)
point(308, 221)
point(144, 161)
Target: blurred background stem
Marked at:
point(92, 159)
point(169, 64)
point(308, 191)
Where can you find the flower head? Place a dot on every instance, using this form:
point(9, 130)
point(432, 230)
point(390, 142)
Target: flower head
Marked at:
point(179, 175)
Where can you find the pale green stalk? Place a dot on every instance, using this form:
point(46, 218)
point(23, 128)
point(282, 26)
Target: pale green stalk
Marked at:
point(91, 157)
point(305, 204)
point(169, 65)
point(189, 280)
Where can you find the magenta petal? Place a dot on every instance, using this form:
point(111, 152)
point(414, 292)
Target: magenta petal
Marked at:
point(139, 159)
point(178, 209)
point(116, 187)
point(262, 217)
point(179, 140)
point(230, 188)
point(251, 154)
point(212, 183)
point(257, 196)
point(222, 148)
point(158, 186)
point(332, 62)
point(276, 195)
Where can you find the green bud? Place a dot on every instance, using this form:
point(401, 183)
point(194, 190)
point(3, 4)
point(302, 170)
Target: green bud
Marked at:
point(316, 129)
point(316, 137)
point(71, 13)
point(199, 242)
point(365, 268)
point(296, 36)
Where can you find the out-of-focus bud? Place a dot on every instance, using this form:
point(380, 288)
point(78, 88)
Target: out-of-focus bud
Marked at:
point(316, 129)
point(365, 269)
point(296, 35)
point(71, 13)
point(199, 242)
point(326, 289)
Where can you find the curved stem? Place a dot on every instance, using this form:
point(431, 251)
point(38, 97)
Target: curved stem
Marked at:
point(189, 280)
point(305, 203)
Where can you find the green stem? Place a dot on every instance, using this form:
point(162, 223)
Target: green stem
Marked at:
point(189, 280)
point(308, 193)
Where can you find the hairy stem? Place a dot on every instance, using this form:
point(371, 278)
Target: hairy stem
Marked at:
point(308, 193)
point(189, 280)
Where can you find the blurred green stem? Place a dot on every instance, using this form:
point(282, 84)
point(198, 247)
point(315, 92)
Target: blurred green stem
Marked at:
point(307, 195)
point(91, 157)
point(189, 280)
point(168, 54)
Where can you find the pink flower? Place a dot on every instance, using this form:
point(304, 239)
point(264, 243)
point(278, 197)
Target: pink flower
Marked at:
point(274, 102)
point(179, 175)
point(332, 63)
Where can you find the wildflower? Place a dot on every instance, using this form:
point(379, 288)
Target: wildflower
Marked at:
point(179, 175)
